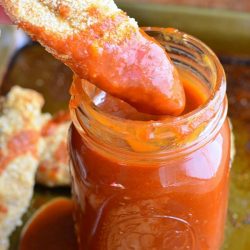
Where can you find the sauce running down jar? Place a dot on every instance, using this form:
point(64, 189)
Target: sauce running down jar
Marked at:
point(145, 182)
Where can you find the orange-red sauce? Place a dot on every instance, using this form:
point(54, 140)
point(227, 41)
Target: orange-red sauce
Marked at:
point(196, 95)
point(3, 209)
point(19, 144)
point(173, 205)
point(51, 228)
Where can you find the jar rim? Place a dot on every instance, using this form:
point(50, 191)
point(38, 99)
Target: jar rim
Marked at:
point(220, 74)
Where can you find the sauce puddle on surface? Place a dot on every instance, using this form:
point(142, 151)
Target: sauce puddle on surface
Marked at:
point(51, 228)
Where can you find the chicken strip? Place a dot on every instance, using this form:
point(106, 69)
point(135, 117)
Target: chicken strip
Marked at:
point(101, 44)
point(20, 146)
point(53, 168)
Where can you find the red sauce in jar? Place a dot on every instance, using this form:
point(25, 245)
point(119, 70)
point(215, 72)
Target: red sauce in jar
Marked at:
point(179, 204)
point(131, 195)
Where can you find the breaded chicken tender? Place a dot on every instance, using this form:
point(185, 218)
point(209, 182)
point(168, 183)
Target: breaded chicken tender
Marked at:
point(20, 147)
point(53, 168)
point(103, 45)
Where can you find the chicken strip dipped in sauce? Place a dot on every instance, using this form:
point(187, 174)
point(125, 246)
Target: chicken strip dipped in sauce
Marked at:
point(101, 44)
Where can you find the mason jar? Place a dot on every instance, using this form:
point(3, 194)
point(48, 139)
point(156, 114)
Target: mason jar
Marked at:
point(144, 182)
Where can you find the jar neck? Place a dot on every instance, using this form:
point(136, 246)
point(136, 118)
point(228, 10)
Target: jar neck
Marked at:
point(164, 138)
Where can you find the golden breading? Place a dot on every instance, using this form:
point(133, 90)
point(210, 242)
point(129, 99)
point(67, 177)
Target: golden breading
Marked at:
point(53, 168)
point(20, 146)
point(56, 23)
point(65, 17)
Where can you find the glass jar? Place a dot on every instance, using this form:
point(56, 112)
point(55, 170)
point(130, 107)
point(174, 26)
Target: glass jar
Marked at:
point(153, 183)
